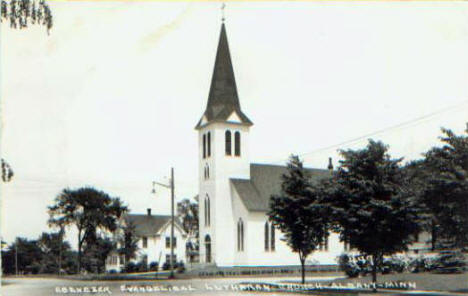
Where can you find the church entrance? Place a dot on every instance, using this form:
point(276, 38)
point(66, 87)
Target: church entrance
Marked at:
point(208, 249)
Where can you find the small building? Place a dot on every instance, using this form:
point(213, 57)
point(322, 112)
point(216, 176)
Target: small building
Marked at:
point(153, 233)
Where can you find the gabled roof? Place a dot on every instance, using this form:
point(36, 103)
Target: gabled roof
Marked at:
point(150, 225)
point(265, 181)
point(223, 99)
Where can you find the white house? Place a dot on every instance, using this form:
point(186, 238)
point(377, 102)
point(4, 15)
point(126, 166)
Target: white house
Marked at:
point(154, 233)
point(234, 194)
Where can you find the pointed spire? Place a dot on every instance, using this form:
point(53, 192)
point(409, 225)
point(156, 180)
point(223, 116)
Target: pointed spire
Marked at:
point(223, 99)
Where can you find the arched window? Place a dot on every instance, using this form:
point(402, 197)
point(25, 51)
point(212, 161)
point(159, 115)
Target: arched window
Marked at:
point(204, 146)
point(207, 171)
point(272, 237)
point(228, 142)
point(207, 210)
point(267, 241)
point(237, 144)
point(240, 235)
point(208, 139)
point(207, 249)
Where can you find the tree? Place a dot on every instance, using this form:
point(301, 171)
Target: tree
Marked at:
point(96, 251)
point(54, 252)
point(129, 241)
point(416, 175)
point(22, 13)
point(298, 211)
point(187, 211)
point(446, 190)
point(23, 254)
point(90, 210)
point(371, 208)
point(7, 172)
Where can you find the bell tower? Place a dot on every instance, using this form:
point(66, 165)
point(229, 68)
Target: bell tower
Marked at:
point(223, 138)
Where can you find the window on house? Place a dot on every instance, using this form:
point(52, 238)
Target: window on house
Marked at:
point(272, 237)
point(145, 242)
point(267, 240)
point(237, 144)
point(168, 242)
point(228, 142)
point(240, 235)
point(168, 258)
point(208, 139)
point(204, 146)
point(324, 244)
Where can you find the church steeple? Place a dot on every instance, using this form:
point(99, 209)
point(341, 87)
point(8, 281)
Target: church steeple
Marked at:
point(223, 99)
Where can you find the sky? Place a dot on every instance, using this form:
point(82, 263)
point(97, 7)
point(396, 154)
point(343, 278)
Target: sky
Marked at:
point(111, 96)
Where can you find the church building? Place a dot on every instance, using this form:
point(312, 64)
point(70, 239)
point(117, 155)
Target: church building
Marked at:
point(234, 193)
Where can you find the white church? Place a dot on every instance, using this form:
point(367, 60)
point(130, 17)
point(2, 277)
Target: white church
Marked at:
point(234, 193)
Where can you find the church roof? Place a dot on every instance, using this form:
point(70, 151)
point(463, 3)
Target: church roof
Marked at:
point(223, 99)
point(265, 181)
point(149, 225)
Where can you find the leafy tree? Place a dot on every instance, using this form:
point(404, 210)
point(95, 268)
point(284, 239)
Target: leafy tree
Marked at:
point(371, 208)
point(187, 211)
point(298, 211)
point(446, 190)
point(129, 241)
point(22, 13)
point(96, 251)
point(416, 177)
point(28, 254)
point(90, 210)
point(54, 252)
point(7, 172)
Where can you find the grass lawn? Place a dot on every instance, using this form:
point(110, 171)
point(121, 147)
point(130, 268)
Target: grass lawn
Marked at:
point(424, 281)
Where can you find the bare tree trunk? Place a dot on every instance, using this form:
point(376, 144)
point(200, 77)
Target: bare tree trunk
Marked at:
point(80, 243)
point(303, 269)
point(374, 271)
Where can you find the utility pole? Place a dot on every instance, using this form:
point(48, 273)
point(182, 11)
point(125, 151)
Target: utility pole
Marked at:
point(172, 224)
point(16, 257)
point(171, 187)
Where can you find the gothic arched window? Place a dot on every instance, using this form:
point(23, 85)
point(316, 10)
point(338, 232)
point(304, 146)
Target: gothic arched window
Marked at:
point(208, 140)
point(272, 237)
point(207, 249)
point(204, 146)
point(228, 142)
point(207, 210)
point(237, 144)
point(267, 240)
point(240, 235)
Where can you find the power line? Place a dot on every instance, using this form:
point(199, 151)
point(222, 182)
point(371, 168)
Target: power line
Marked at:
point(414, 121)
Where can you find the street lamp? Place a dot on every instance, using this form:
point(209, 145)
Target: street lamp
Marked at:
point(171, 187)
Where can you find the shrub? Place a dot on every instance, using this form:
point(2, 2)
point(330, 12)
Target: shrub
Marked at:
point(154, 266)
point(347, 265)
point(180, 267)
point(450, 262)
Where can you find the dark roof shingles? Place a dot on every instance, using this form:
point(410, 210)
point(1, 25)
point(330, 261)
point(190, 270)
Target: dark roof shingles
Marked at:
point(146, 225)
point(265, 181)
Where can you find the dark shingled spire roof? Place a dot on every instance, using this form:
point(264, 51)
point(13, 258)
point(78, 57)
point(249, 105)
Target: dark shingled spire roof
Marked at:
point(223, 99)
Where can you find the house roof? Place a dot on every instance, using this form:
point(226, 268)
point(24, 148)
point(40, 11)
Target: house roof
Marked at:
point(223, 99)
point(265, 181)
point(150, 225)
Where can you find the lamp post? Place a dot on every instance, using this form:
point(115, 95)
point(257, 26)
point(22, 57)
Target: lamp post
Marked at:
point(171, 187)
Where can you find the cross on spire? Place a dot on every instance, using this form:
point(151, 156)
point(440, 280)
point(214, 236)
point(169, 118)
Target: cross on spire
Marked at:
point(223, 6)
